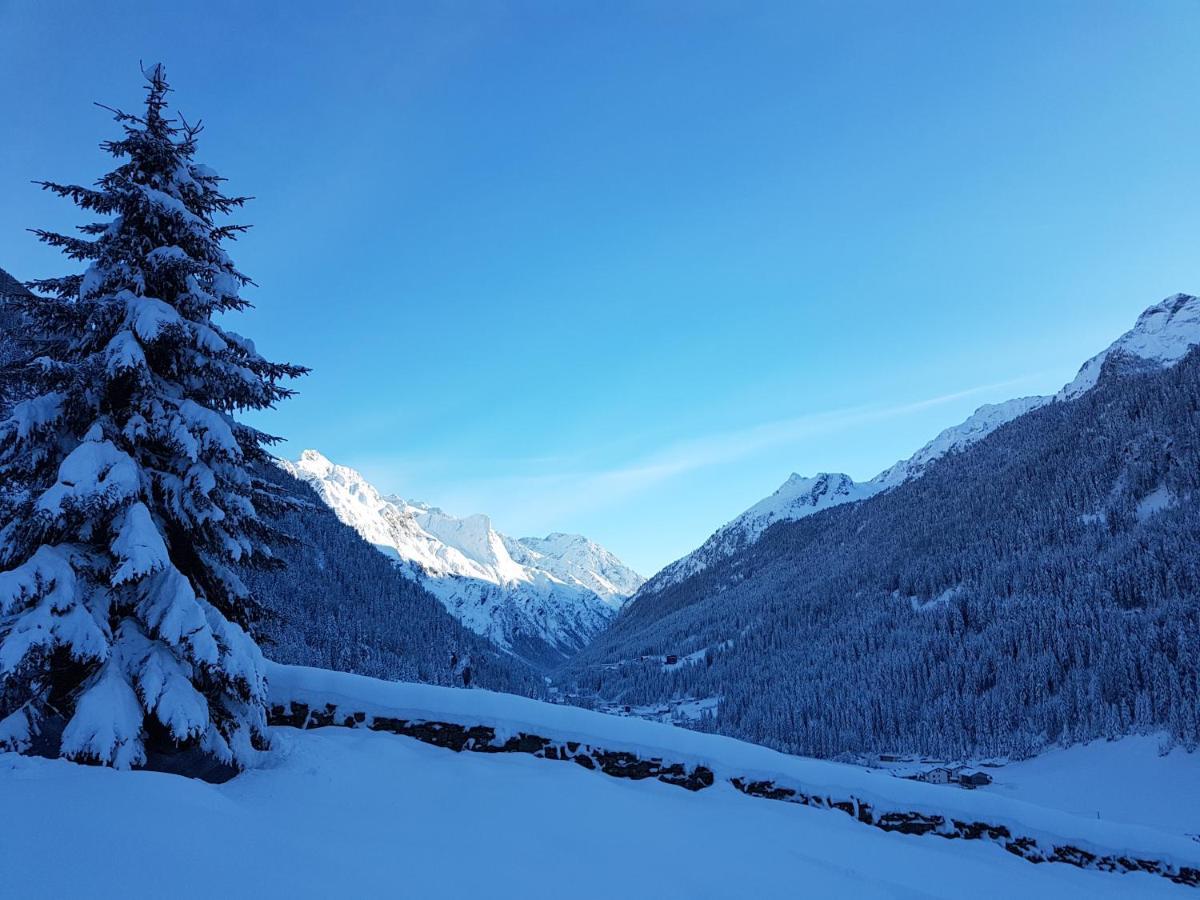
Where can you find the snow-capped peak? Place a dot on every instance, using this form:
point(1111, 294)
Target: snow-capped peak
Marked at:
point(314, 460)
point(797, 497)
point(561, 589)
point(1162, 336)
point(347, 493)
point(575, 559)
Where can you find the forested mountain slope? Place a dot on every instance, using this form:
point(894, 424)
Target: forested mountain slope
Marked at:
point(339, 604)
point(1161, 336)
point(541, 598)
point(9, 322)
point(1040, 586)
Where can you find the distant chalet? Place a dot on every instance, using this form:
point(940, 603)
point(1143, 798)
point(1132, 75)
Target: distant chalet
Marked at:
point(957, 775)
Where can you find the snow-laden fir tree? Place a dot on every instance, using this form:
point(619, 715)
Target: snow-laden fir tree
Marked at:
point(128, 487)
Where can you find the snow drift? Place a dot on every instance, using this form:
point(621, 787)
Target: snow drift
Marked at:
point(635, 748)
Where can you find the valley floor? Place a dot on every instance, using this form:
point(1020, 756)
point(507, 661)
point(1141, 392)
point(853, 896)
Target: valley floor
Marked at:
point(357, 813)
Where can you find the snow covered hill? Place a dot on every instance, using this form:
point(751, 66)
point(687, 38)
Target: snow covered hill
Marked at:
point(1161, 337)
point(335, 811)
point(542, 598)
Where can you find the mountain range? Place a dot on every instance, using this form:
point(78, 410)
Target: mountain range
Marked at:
point(540, 598)
point(336, 602)
point(1161, 336)
point(1027, 578)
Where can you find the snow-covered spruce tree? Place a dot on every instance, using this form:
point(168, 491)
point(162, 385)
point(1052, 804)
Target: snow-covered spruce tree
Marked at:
point(129, 492)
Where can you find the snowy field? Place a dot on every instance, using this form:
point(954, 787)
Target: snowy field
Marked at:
point(340, 812)
point(358, 813)
point(1023, 809)
point(1126, 781)
point(1117, 781)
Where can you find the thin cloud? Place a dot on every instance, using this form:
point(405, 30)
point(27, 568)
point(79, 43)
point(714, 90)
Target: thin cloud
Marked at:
point(551, 496)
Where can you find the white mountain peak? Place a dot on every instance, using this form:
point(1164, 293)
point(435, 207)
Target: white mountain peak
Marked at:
point(561, 589)
point(576, 559)
point(800, 496)
point(1162, 335)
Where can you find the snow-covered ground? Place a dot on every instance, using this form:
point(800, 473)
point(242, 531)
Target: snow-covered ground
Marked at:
point(1127, 781)
point(1118, 781)
point(1025, 813)
point(339, 812)
point(358, 813)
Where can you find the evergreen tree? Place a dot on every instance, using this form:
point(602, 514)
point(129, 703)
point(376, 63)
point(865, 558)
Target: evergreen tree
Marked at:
point(130, 499)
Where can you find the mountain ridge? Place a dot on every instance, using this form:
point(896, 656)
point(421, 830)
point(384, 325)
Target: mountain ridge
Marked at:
point(1161, 336)
point(1036, 587)
point(543, 598)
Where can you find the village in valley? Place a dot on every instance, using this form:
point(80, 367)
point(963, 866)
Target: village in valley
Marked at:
point(960, 775)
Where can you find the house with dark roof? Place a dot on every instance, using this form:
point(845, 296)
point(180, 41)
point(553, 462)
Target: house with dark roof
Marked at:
point(974, 779)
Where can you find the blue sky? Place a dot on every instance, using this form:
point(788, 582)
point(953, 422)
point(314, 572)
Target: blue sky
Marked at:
point(621, 268)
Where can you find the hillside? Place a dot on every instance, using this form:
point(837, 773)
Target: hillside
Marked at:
point(1162, 335)
point(339, 604)
point(1036, 587)
point(541, 598)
